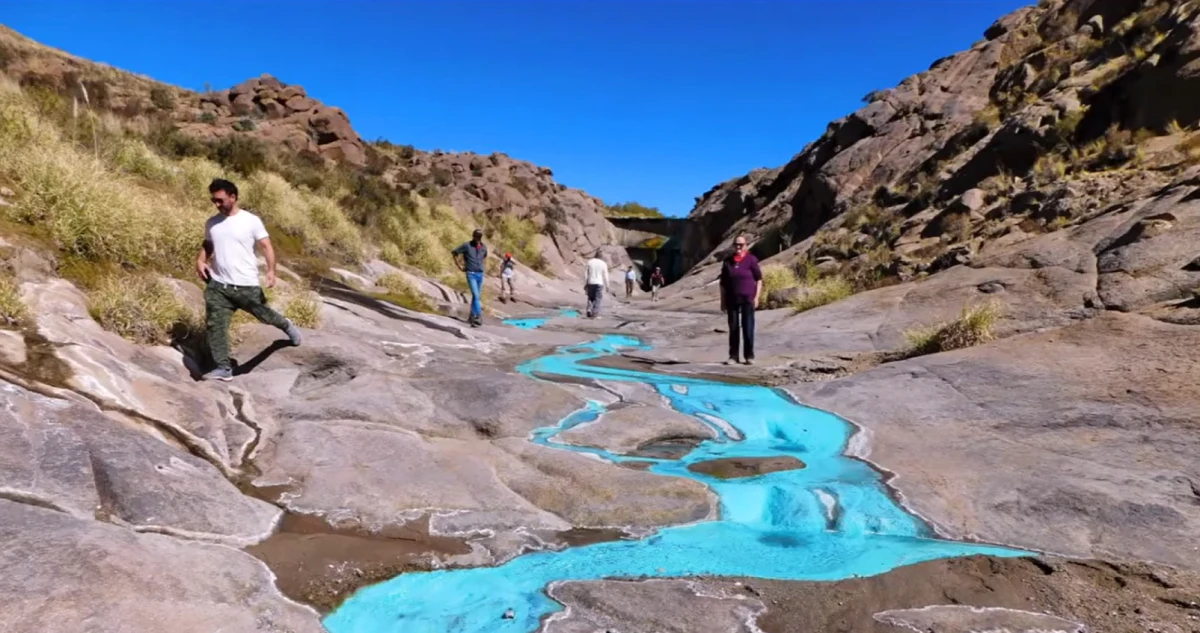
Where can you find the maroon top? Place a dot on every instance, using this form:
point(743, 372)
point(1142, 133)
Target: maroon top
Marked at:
point(740, 280)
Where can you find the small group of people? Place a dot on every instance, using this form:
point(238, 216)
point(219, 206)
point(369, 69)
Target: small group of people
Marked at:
point(228, 266)
point(470, 257)
point(656, 282)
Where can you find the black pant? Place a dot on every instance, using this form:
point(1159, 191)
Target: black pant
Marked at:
point(741, 327)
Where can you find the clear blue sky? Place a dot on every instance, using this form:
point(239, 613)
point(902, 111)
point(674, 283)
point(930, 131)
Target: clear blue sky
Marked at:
point(648, 100)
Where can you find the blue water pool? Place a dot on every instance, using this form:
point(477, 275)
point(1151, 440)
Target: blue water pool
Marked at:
point(536, 322)
point(831, 520)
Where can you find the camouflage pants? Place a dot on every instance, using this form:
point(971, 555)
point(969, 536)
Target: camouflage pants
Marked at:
point(220, 302)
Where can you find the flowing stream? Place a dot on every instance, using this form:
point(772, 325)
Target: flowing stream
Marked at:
point(832, 519)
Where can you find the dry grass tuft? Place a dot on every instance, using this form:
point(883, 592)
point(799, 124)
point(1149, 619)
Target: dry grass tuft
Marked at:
point(12, 310)
point(777, 277)
point(400, 292)
point(89, 210)
point(823, 291)
point(142, 308)
point(972, 327)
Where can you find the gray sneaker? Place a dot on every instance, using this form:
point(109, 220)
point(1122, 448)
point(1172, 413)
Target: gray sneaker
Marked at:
point(293, 333)
point(223, 374)
point(731, 361)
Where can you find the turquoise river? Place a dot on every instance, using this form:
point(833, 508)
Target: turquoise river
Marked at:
point(831, 520)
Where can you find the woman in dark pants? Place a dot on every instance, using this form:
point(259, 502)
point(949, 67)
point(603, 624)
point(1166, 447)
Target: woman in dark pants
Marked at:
point(741, 285)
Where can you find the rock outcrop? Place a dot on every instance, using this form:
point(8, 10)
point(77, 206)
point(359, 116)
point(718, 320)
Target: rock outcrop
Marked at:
point(277, 113)
point(1044, 125)
point(265, 112)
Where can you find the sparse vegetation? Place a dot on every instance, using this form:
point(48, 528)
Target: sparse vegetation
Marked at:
point(776, 277)
point(519, 237)
point(303, 307)
point(972, 327)
point(400, 292)
point(142, 308)
point(162, 98)
point(988, 117)
point(822, 291)
point(12, 310)
point(631, 210)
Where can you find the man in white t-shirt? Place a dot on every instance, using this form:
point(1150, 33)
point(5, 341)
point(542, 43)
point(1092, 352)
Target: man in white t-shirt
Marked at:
point(228, 266)
point(595, 275)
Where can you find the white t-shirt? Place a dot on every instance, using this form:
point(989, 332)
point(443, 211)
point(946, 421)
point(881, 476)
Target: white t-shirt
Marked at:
point(233, 238)
point(596, 272)
point(630, 276)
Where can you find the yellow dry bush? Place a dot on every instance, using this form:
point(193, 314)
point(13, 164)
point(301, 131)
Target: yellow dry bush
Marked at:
point(822, 291)
point(142, 308)
point(318, 222)
point(12, 310)
point(91, 211)
point(777, 277)
point(972, 327)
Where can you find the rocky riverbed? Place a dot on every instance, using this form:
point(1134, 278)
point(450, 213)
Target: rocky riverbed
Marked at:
point(394, 442)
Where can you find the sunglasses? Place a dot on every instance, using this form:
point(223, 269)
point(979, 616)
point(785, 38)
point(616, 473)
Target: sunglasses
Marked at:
point(740, 244)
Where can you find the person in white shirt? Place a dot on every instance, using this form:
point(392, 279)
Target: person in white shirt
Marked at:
point(229, 268)
point(595, 275)
point(630, 278)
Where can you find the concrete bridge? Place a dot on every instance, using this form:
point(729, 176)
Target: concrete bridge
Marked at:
point(654, 242)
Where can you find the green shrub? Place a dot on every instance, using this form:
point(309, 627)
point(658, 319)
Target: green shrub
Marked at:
point(631, 210)
point(162, 98)
point(239, 153)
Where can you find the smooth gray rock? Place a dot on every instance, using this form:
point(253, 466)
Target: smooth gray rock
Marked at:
point(627, 429)
point(651, 606)
point(1079, 441)
point(67, 456)
point(69, 575)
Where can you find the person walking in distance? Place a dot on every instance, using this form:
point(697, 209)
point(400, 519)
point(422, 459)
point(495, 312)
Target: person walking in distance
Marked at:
point(472, 255)
point(741, 286)
point(595, 275)
point(630, 277)
point(656, 282)
point(506, 277)
point(229, 268)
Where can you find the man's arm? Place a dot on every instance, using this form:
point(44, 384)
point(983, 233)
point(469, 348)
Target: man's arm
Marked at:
point(456, 254)
point(202, 260)
point(268, 252)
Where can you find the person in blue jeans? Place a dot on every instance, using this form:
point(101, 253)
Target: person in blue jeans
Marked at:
point(469, 257)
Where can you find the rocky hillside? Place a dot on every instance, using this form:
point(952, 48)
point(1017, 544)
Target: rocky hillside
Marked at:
point(264, 124)
point(1065, 116)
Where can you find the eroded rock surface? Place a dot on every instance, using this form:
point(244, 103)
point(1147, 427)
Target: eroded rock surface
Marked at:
point(640, 430)
point(1087, 450)
point(62, 572)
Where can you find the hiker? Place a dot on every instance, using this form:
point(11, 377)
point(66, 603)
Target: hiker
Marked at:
point(630, 277)
point(229, 268)
point(595, 274)
point(741, 287)
point(473, 254)
point(656, 282)
point(506, 277)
